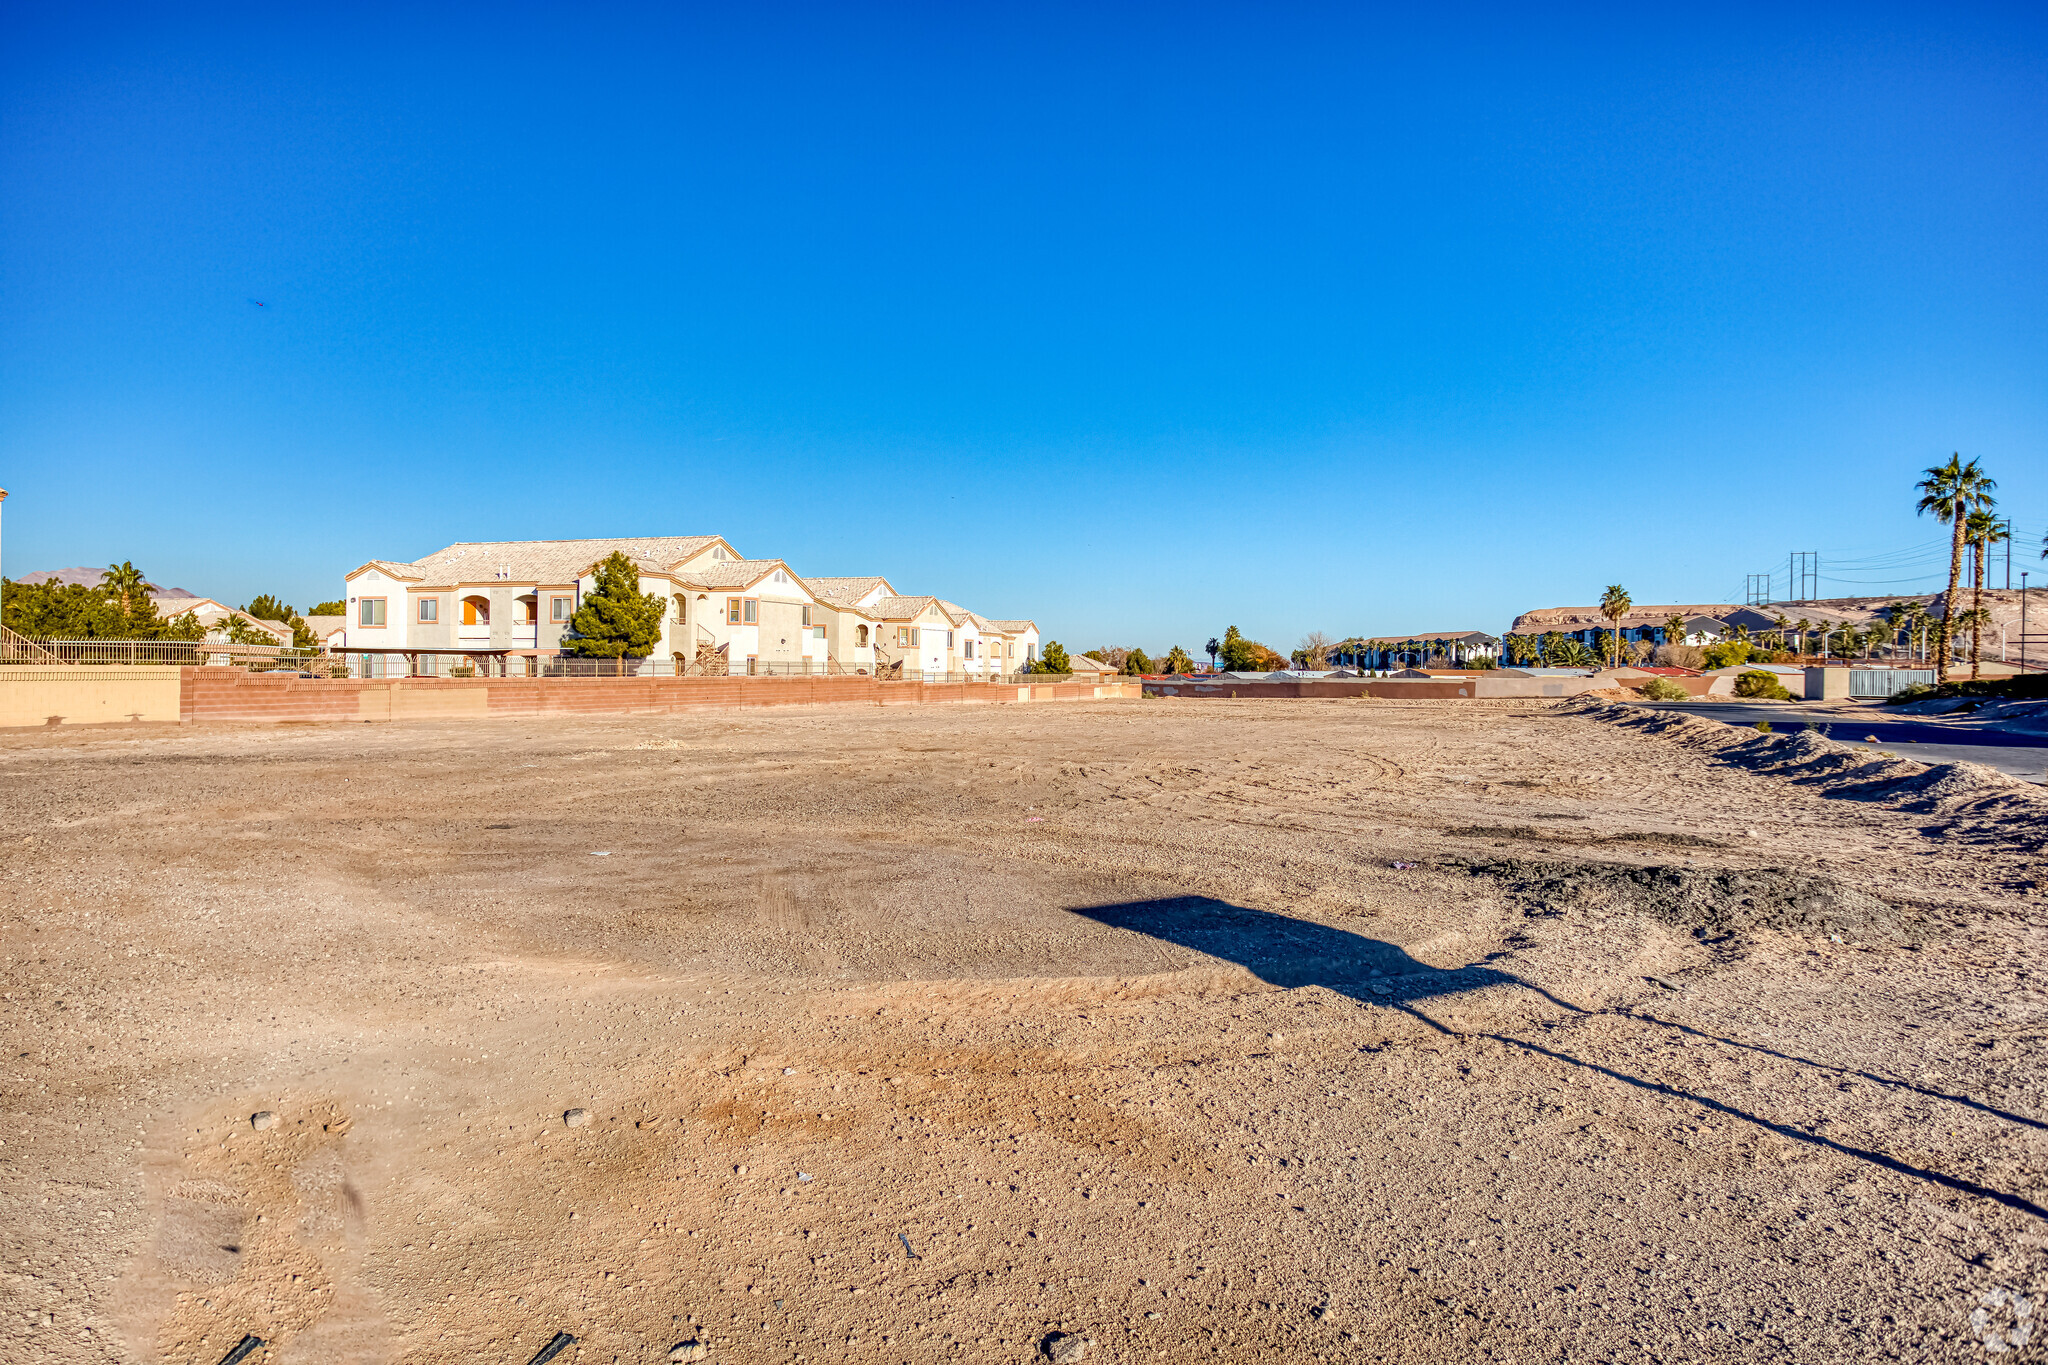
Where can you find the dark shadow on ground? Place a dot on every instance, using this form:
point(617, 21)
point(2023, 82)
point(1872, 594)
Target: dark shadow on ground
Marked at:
point(1292, 953)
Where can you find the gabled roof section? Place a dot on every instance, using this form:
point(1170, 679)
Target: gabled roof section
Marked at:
point(741, 574)
point(1013, 627)
point(390, 568)
point(537, 561)
point(901, 608)
point(851, 590)
point(982, 623)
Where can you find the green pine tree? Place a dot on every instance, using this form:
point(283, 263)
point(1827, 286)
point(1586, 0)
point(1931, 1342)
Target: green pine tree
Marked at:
point(616, 618)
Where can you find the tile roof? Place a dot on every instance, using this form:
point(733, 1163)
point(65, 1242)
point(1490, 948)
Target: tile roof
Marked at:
point(847, 589)
point(736, 573)
point(538, 561)
point(1014, 627)
point(960, 613)
point(899, 608)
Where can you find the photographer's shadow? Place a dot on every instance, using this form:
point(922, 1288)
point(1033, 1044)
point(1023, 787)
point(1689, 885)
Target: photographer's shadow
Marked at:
point(1292, 953)
point(1288, 952)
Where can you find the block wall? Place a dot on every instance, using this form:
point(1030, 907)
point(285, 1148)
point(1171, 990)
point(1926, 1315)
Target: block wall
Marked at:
point(225, 694)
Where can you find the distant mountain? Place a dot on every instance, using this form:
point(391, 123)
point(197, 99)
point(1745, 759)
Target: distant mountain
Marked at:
point(90, 578)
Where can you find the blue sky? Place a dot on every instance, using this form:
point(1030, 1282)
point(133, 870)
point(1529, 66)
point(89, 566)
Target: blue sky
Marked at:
point(1140, 320)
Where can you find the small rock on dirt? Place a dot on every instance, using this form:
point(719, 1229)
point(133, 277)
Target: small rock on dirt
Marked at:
point(576, 1118)
point(689, 1350)
point(1064, 1348)
point(262, 1120)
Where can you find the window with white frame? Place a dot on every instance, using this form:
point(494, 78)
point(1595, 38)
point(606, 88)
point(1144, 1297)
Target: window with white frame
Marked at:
point(561, 608)
point(430, 610)
point(750, 611)
point(370, 612)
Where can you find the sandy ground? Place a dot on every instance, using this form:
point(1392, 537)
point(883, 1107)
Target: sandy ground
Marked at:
point(1193, 1030)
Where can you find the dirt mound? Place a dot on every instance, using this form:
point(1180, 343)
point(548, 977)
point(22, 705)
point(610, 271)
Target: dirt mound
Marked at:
point(1673, 725)
point(1980, 803)
point(1708, 900)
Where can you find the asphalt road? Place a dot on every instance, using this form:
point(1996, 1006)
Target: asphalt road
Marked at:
point(1929, 741)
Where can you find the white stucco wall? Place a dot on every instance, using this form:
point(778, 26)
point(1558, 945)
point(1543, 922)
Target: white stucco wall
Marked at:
point(397, 606)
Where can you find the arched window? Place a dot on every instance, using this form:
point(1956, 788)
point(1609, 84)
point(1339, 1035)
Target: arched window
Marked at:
point(476, 611)
point(860, 636)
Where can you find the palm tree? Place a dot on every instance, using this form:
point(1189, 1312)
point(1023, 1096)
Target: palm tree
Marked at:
point(1215, 647)
point(1951, 492)
point(1614, 605)
point(1985, 529)
point(124, 580)
point(1908, 618)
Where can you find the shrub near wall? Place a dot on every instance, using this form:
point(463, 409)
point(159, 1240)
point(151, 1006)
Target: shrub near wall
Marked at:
point(1761, 685)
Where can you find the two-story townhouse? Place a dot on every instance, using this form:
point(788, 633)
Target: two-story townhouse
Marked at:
point(983, 644)
point(855, 633)
point(760, 615)
point(506, 604)
point(917, 634)
point(1019, 643)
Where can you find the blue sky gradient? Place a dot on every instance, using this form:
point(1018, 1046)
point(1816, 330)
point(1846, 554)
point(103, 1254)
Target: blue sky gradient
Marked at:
point(1140, 320)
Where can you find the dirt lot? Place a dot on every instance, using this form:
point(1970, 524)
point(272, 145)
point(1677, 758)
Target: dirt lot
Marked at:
point(1195, 1030)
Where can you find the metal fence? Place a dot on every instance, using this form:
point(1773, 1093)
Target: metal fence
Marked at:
point(24, 649)
point(1885, 682)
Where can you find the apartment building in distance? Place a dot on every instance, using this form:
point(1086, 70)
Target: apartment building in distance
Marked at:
point(507, 606)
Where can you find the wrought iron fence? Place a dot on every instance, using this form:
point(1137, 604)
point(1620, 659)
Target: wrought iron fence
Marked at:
point(24, 649)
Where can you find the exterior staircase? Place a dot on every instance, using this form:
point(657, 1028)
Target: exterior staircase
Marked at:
point(19, 649)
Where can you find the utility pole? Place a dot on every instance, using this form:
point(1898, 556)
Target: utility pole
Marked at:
point(1802, 575)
